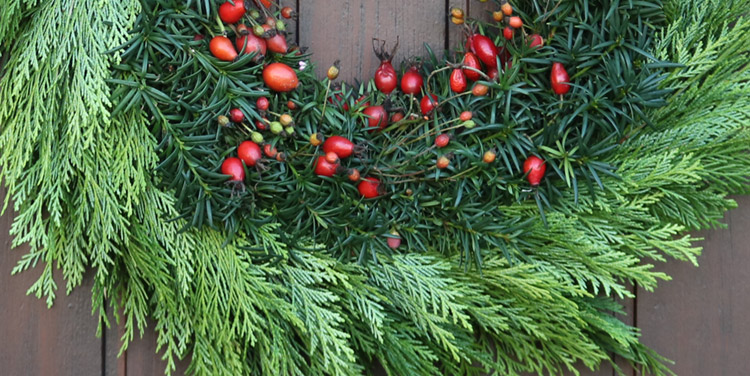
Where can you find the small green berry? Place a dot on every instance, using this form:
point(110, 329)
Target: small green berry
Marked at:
point(276, 127)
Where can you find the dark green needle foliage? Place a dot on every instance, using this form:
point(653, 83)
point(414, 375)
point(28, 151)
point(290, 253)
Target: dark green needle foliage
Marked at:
point(111, 150)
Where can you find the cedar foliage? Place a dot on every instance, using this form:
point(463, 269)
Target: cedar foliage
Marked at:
point(108, 136)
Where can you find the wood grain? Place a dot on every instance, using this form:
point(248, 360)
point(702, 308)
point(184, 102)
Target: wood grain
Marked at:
point(344, 29)
point(38, 341)
point(699, 319)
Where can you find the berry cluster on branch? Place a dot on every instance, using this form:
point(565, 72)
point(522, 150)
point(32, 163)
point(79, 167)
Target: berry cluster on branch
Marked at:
point(418, 161)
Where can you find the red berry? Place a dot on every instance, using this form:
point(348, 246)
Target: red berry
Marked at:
point(377, 118)
point(277, 43)
point(472, 61)
point(262, 103)
point(534, 167)
point(516, 22)
point(386, 79)
point(442, 140)
point(221, 47)
point(324, 168)
point(291, 105)
point(536, 40)
point(338, 145)
point(353, 174)
point(231, 13)
point(252, 44)
point(411, 82)
point(559, 79)
point(279, 77)
point(233, 167)
point(270, 151)
point(458, 81)
point(485, 50)
point(469, 47)
point(249, 152)
point(261, 125)
point(396, 117)
point(466, 116)
point(394, 241)
point(331, 157)
point(236, 115)
point(287, 12)
point(508, 33)
point(369, 188)
point(428, 105)
point(493, 73)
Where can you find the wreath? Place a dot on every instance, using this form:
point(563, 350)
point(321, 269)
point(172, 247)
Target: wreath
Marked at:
point(472, 213)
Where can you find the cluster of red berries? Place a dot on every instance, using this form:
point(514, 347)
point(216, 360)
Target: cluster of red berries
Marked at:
point(336, 148)
point(480, 61)
point(262, 33)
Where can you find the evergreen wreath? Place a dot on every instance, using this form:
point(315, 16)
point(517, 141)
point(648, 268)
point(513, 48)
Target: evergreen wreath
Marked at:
point(481, 214)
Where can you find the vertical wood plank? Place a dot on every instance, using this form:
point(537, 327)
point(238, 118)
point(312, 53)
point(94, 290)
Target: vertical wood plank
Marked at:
point(143, 360)
point(343, 30)
point(455, 34)
point(113, 365)
point(481, 10)
point(699, 319)
point(38, 341)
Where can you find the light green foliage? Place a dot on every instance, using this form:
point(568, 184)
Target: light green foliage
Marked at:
point(83, 186)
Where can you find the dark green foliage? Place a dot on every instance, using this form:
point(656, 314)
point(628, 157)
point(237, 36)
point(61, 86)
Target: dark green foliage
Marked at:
point(112, 162)
point(456, 211)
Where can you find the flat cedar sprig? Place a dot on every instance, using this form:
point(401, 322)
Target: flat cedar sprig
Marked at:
point(112, 161)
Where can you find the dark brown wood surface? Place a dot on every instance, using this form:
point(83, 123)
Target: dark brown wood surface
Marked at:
point(697, 319)
point(35, 340)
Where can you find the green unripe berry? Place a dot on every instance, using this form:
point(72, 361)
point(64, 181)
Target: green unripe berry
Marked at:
point(276, 127)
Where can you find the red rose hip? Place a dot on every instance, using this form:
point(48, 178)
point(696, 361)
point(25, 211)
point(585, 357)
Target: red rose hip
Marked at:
point(534, 167)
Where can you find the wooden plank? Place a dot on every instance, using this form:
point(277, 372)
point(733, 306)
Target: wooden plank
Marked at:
point(343, 30)
point(455, 33)
point(142, 359)
point(113, 365)
point(699, 319)
point(39, 341)
point(481, 10)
